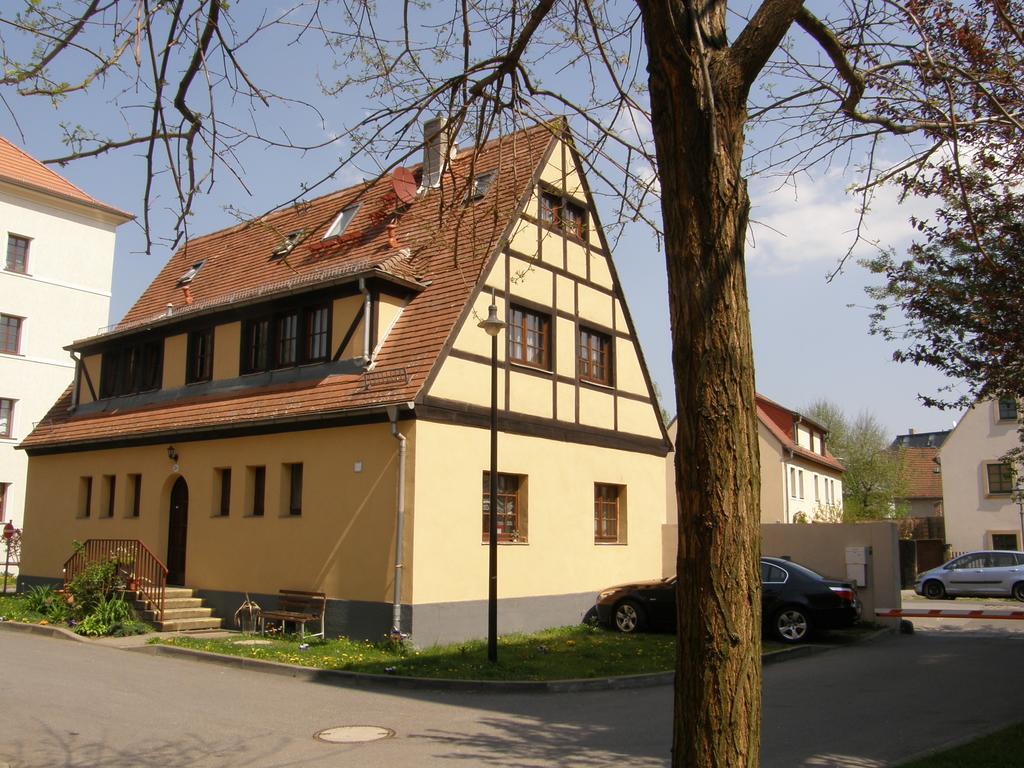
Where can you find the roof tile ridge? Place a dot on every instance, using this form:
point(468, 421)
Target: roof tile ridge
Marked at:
point(85, 196)
point(46, 168)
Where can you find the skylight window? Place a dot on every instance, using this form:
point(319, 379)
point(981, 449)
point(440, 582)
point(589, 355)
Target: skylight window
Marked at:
point(189, 276)
point(341, 222)
point(290, 241)
point(480, 185)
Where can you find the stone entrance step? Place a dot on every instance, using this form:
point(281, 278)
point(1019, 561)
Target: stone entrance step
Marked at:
point(183, 612)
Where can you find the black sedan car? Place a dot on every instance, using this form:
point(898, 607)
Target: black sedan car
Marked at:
point(794, 601)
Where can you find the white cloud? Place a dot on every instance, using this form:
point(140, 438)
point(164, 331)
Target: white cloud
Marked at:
point(815, 223)
point(632, 126)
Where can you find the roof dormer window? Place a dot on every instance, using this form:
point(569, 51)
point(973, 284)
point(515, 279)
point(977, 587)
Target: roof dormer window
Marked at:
point(190, 275)
point(290, 241)
point(481, 183)
point(341, 222)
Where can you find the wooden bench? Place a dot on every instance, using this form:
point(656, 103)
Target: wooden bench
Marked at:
point(299, 608)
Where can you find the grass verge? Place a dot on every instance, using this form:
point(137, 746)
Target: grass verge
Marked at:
point(1002, 749)
point(555, 654)
point(15, 608)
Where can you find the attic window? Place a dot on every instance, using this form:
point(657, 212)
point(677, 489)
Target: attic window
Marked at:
point(346, 215)
point(189, 276)
point(480, 185)
point(290, 241)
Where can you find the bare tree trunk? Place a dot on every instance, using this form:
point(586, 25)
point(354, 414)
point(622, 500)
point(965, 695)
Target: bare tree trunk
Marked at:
point(699, 138)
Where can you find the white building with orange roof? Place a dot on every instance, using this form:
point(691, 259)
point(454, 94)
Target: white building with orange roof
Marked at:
point(58, 248)
point(801, 481)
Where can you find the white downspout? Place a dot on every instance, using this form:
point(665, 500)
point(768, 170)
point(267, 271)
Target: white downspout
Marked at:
point(396, 608)
point(786, 490)
point(367, 310)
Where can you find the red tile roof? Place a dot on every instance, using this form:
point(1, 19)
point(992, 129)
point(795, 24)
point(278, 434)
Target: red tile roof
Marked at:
point(922, 476)
point(448, 245)
point(778, 420)
point(18, 167)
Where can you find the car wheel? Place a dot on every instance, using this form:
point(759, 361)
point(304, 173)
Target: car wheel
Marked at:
point(791, 625)
point(1018, 591)
point(629, 616)
point(934, 590)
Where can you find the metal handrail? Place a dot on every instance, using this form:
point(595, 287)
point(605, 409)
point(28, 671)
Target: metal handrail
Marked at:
point(144, 573)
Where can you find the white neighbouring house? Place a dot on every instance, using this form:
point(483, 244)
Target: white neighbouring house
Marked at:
point(801, 481)
point(977, 486)
point(58, 248)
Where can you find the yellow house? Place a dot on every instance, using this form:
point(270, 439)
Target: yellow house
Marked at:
point(292, 396)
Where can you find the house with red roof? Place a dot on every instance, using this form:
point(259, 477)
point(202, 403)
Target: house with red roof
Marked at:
point(58, 247)
point(302, 401)
point(801, 481)
point(922, 531)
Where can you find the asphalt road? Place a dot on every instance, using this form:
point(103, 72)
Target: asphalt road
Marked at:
point(76, 704)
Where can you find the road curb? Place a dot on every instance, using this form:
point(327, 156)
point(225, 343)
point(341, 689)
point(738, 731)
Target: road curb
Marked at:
point(361, 679)
point(49, 630)
point(801, 651)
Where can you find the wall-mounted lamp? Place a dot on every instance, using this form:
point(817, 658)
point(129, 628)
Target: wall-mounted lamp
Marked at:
point(172, 454)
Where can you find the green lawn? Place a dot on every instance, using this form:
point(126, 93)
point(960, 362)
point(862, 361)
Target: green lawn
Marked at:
point(1003, 749)
point(556, 654)
point(12, 608)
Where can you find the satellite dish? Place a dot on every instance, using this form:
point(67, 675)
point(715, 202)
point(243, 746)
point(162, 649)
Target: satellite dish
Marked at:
point(404, 184)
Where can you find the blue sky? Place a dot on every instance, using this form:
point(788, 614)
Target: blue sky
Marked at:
point(809, 343)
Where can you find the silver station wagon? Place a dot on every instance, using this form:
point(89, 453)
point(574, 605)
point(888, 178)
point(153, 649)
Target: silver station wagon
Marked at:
point(993, 573)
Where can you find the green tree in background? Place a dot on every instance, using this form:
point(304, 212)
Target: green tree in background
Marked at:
point(875, 479)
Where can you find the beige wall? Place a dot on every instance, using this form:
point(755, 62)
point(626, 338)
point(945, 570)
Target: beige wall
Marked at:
point(529, 269)
point(93, 364)
point(175, 351)
point(972, 513)
point(342, 544)
point(561, 556)
point(822, 548)
point(343, 313)
point(227, 345)
point(773, 484)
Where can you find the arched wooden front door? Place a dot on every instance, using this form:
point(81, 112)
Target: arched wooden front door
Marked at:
point(177, 533)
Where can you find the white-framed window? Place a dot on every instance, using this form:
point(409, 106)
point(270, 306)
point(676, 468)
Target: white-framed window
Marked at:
point(341, 222)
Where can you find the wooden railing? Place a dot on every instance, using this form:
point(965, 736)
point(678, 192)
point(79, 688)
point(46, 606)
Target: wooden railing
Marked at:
point(141, 570)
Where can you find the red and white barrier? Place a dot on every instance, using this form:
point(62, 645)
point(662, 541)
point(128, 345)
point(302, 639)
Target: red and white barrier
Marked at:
point(944, 613)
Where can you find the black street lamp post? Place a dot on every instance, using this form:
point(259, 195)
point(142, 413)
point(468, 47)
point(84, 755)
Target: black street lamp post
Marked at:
point(1018, 493)
point(493, 326)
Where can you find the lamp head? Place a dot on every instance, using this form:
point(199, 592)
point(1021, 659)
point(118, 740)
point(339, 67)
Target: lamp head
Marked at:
point(493, 325)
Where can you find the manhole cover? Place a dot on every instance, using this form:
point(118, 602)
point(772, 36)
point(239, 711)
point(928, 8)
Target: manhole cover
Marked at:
point(353, 734)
